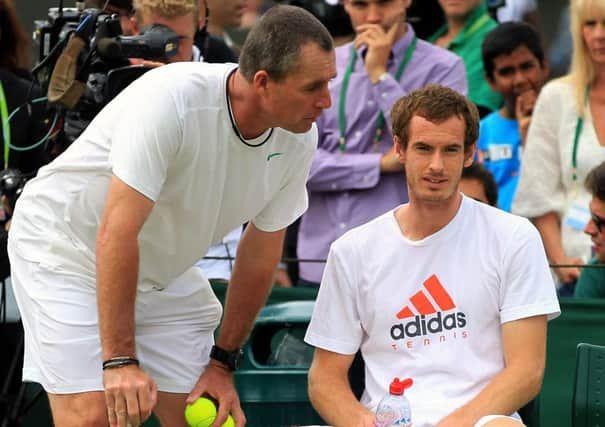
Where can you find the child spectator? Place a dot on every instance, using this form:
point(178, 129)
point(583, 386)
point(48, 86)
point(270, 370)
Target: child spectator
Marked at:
point(514, 67)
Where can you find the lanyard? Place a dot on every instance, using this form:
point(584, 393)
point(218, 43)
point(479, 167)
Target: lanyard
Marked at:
point(6, 127)
point(342, 106)
point(576, 140)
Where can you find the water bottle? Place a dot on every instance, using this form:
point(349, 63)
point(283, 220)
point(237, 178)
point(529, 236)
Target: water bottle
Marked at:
point(394, 408)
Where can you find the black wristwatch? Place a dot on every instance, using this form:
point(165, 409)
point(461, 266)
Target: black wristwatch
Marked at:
point(231, 359)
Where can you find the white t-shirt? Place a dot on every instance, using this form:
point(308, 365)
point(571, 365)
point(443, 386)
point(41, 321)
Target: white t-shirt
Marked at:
point(485, 268)
point(170, 137)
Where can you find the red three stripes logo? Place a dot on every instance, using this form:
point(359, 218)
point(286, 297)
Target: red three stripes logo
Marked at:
point(423, 305)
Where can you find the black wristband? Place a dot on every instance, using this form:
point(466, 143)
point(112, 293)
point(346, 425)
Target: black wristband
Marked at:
point(120, 361)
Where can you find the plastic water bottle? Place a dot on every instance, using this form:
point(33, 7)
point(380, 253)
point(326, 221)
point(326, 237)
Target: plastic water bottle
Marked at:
point(394, 408)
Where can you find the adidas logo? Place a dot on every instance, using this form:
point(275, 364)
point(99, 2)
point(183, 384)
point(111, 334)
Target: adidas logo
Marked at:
point(429, 304)
point(423, 305)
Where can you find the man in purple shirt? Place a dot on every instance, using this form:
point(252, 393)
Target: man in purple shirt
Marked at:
point(355, 175)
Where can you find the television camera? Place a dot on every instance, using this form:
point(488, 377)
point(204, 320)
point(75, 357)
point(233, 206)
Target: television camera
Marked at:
point(84, 61)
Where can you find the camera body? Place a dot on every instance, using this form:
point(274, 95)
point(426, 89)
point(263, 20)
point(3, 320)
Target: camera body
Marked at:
point(84, 61)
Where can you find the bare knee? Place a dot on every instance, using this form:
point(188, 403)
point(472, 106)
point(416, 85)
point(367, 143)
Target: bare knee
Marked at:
point(79, 409)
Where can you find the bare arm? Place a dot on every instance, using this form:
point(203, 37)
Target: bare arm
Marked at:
point(257, 256)
point(117, 266)
point(524, 347)
point(550, 229)
point(127, 389)
point(330, 391)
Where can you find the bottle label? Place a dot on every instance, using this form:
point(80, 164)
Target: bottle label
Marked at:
point(403, 422)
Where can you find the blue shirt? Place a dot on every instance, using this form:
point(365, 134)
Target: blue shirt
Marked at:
point(499, 148)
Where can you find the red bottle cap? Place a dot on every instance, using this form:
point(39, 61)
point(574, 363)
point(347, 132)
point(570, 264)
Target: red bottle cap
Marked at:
point(398, 387)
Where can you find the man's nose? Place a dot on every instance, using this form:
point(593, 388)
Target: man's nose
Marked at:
point(519, 78)
point(436, 164)
point(374, 14)
point(591, 228)
point(325, 100)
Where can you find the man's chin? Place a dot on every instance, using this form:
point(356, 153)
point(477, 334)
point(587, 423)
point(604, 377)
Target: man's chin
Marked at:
point(301, 127)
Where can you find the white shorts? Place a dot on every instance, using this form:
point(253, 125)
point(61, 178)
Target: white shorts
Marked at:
point(174, 329)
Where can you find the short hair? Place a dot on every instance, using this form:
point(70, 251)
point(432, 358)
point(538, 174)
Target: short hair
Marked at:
point(582, 70)
point(14, 41)
point(595, 182)
point(274, 43)
point(507, 37)
point(482, 174)
point(436, 104)
point(167, 8)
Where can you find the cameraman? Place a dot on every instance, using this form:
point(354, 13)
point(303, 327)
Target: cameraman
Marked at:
point(179, 16)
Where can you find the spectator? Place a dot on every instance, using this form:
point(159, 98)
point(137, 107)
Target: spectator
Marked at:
point(446, 290)
point(565, 141)
point(103, 239)
point(478, 183)
point(225, 14)
point(591, 283)
point(213, 48)
point(467, 23)
point(515, 67)
point(355, 175)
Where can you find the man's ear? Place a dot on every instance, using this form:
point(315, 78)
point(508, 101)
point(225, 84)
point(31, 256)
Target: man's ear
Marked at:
point(469, 155)
point(399, 150)
point(260, 81)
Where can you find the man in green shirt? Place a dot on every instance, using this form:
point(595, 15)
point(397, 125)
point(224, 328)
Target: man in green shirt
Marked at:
point(467, 23)
point(591, 283)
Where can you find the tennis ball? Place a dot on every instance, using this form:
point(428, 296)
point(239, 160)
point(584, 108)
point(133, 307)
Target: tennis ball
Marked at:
point(202, 413)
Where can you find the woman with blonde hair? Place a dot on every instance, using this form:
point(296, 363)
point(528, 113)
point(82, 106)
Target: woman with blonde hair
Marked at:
point(566, 139)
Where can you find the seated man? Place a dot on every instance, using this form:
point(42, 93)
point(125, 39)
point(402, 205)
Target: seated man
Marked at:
point(478, 183)
point(515, 67)
point(591, 283)
point(467, 23)
point(408, 290)
point(355, 176)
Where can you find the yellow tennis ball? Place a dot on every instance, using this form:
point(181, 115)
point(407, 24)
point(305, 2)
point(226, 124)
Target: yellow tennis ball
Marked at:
point(202, 413)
